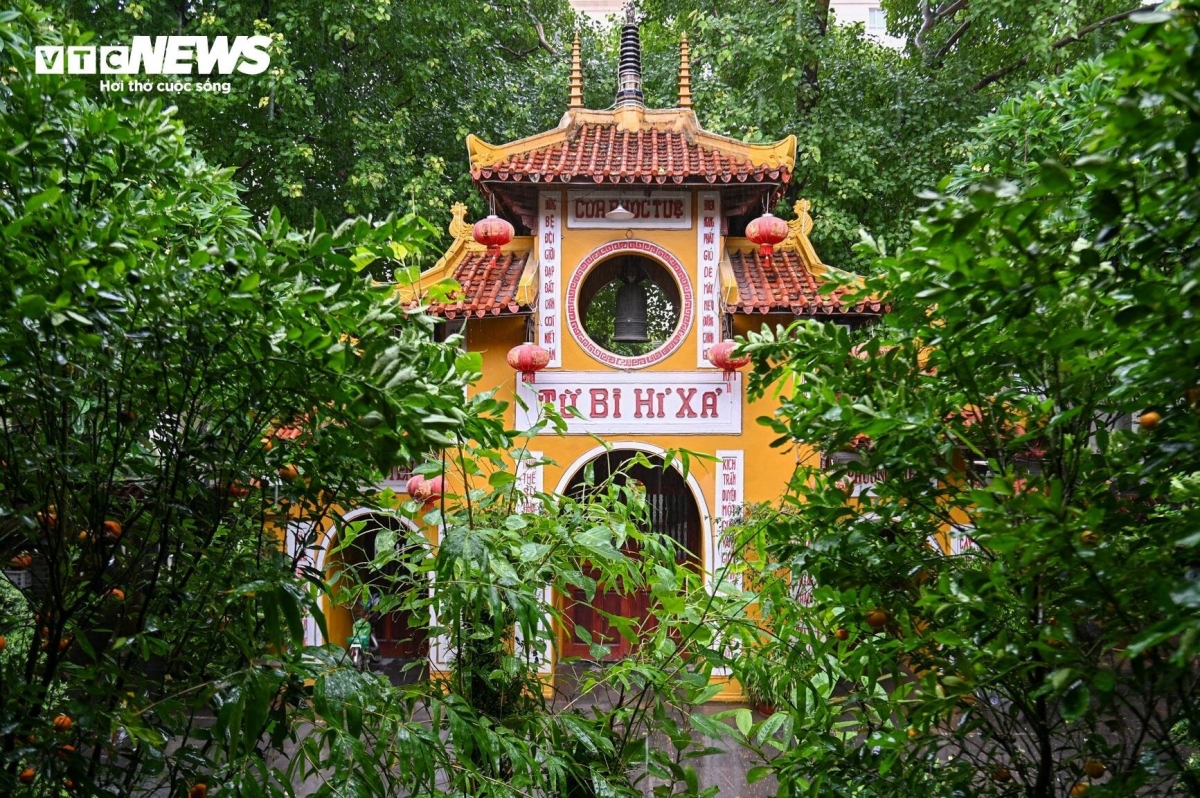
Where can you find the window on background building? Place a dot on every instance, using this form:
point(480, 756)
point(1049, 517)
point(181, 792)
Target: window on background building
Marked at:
point(876, 21)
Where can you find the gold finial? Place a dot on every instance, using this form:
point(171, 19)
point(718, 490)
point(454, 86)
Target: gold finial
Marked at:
point(685, 74)
point(576, 100)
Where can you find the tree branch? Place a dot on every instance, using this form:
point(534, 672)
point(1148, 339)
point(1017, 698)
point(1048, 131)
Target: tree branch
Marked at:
point(1077, 36)
point(953, 40)
point(930, 17)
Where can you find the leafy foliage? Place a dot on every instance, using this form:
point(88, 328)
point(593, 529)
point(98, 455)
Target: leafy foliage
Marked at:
point(156, 343)
point(366, 106)
point(1006, 607)
point(875, 125)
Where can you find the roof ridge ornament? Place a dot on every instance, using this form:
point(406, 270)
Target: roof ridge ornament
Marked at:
point(685, 73)
point(576, 98)
point(629, 65)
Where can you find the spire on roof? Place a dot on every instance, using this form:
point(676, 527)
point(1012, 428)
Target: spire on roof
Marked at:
point(576, 99)
point(685, 74)
point(629, 67)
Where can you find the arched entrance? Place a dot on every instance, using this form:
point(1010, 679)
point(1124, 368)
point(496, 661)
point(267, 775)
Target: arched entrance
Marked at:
point(673, 512)
point(402, 635)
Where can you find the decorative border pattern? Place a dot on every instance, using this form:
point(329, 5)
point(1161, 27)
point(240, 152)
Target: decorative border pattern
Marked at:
point(686, 311)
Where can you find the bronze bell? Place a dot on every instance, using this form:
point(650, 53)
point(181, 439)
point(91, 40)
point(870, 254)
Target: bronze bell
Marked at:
point(629, 326)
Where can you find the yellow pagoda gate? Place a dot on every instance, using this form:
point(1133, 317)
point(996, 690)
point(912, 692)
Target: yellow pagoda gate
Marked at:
point(619, 257)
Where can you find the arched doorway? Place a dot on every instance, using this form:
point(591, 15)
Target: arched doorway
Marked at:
point(402, 634)
point(673, 512)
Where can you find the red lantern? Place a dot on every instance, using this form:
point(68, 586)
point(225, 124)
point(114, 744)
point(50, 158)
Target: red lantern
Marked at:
point(767, 231)
point(721, 356)
point(418, 488)
point(528, 359)
point(434, 488)
point(426, 491)
point(493, 232)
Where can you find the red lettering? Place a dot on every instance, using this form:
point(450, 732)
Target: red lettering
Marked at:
point(567, 399)
point(548, 238)
point(616, 403)
point(710, 205)
point(710, 238)
point(708, 404)
point(550, 204)
point(640, 401)
point(599, 402)
point(685, 403)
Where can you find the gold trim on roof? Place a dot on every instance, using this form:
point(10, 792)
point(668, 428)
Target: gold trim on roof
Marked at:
point(676, 120)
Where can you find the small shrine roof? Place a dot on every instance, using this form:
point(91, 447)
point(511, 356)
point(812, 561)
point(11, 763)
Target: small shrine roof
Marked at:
point(489, 285)
point(790, 280)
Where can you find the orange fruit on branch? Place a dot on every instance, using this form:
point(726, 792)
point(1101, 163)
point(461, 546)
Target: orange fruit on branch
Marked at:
point(116, 594)
point(199, 790)
point(1149, 422)
point(27, 775)
point(1094, 768)
point(112, 530)
point(1001, 775)
point(877, 619)
point(289, 473)
point(63, 723)
point(842, 634)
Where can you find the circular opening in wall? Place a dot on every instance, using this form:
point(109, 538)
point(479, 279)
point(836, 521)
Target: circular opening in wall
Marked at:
point(629, 305)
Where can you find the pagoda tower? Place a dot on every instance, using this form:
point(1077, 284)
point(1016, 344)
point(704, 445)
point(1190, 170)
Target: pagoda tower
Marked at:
point(616, 265)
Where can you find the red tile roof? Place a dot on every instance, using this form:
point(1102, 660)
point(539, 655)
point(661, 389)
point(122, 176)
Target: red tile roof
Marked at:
point(783, 284)
point(488, 288)
point(599, 153)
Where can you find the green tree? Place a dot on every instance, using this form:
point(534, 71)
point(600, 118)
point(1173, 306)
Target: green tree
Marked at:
point(366, 106)
point(876, 126)
point(153, 337)
point(1011, 608)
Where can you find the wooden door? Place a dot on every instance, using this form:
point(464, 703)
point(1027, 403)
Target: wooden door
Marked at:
point(673, 513)
point(397, 636)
